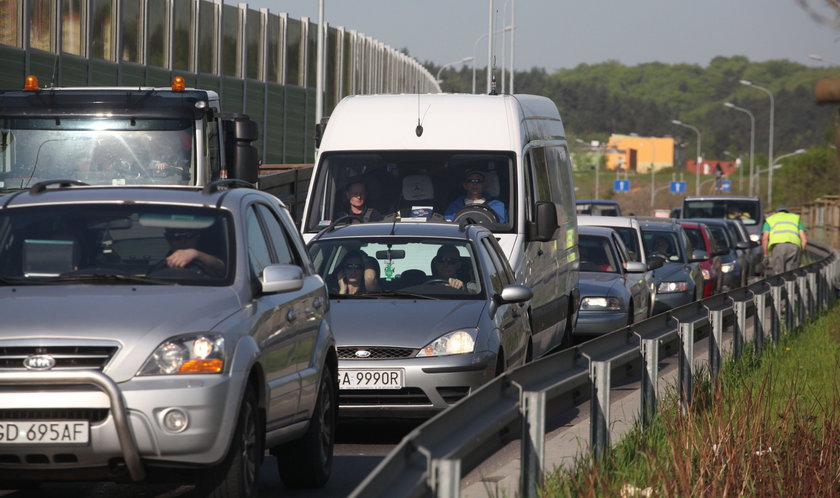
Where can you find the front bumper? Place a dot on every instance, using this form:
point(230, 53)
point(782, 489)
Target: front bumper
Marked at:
point(668, 300)
point(594, 323)
point(430, 385)
point(131, 434)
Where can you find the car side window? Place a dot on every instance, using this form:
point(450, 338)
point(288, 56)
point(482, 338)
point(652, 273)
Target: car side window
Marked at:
point(504, 277)
point(283, 251)
point(490, 265)
point(259, 254)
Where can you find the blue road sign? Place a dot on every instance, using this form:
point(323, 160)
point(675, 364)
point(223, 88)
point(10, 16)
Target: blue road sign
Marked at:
point(726, 186)
point(677, 187)
point(621, 185)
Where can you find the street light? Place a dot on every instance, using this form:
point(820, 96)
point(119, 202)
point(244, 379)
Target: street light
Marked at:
point(697, 165)
point(752, 139)
point(777, 166)
point(770, 151)
point(462, 61)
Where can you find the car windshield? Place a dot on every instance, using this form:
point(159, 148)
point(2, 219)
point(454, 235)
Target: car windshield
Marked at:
point(596, 255)
point(721, 235)
point(96, 151)
point(748, 211)
point(414, 185)
point(695, 237)
point(398, 267)
point(91, 243)
point(661, 244)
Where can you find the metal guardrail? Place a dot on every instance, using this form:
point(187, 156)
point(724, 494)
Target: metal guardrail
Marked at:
point(431, 460)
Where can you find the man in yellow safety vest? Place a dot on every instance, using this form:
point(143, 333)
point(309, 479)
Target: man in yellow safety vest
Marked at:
point(783, 239)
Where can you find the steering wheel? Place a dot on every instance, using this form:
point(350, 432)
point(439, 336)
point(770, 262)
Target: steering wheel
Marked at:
point(196, 267)
point(478, 213)
point(437, 281)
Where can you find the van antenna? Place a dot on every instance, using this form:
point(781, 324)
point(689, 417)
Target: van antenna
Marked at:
point(419, 130)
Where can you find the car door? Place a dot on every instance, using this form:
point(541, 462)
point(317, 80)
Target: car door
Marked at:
point(509, 318)
point(634, 282)
point(287, 322)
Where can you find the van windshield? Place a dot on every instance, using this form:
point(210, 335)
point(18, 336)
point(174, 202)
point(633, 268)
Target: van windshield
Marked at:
point(748, 211)
point(405, 185)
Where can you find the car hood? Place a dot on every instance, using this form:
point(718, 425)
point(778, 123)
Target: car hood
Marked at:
point(404, 323)
point(599, 284)
point(670, 271)
point(137, 317)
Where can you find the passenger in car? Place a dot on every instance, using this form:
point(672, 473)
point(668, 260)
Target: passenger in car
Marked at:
point(446, 265)
point(474, 187)
point(356, 274)
point(355, 194)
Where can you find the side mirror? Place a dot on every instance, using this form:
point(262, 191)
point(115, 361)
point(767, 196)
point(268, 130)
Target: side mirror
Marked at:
point(515, 293)
point(241, 156)
point(635, 267)
point(743, 245)
point(545, 224)
point(698, 255)
point(281, 278)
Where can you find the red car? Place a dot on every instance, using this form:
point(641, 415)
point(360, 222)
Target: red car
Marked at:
point(701, 238)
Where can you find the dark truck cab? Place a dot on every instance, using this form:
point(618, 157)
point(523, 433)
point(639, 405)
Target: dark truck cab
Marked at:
point(122, 136)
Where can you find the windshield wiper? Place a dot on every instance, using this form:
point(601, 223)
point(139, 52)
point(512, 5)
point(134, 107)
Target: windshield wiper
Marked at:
point(99, 277)
point(392, 293)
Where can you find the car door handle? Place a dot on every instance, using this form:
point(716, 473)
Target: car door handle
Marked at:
point(291, 315)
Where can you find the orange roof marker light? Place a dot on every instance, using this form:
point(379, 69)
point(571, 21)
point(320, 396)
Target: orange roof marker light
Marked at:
point(31, 83)
point(178, 84)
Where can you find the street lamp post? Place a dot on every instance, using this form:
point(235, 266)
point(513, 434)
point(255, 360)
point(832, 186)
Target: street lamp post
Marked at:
point(697, 165)
point(462, 61)
point(475, 46)
point(770, 136)
point(777, 166)
point(594, 145)
point(752, 141)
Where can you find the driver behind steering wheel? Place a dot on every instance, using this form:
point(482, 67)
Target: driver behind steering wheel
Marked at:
point(446, 265)
point(474, 187)
point(183, 253)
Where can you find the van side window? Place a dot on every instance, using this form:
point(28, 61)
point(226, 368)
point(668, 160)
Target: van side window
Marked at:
point(562, 181)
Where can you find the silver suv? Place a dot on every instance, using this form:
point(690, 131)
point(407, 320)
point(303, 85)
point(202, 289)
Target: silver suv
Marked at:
point(146, 330)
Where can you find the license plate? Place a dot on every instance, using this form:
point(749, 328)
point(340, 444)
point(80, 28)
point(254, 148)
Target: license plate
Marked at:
point(370, 379)
point(44, 432)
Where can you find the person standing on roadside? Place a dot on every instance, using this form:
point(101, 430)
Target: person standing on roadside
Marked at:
point(783, 240)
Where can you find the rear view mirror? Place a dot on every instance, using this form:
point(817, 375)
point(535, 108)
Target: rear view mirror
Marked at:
point(390, 254)
point(635, 267)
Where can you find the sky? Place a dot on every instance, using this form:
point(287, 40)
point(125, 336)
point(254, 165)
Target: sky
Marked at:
point(558, 34)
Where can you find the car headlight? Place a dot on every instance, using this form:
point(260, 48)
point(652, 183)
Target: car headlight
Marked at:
point(600, 303)
point(666, 287)
point(188, 354)
point(727, 267)
point(755, 237)
point(455, 342)
point(707, 275)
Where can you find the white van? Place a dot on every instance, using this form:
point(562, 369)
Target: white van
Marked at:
point(413, 155)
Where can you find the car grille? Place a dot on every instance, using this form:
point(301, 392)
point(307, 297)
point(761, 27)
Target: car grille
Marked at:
point(66, 357)
point(375, 353)
point(405, 396)
point(92, 415)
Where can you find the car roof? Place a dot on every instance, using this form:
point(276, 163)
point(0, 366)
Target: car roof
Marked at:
point(721, 198)
point(711, 221)
point(592, 230)
point(660, 226)
point(52, 192)
point(402, 229)
point(597, 201)
point(607, 221)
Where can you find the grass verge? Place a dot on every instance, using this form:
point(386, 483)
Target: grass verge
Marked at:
point(770, 427)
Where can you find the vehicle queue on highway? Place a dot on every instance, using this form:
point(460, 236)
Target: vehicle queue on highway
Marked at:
point(434, 261)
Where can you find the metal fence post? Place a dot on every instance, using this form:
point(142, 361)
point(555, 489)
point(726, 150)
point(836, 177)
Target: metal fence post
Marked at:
point(686, 365)
point(599, 417)
point(802, 304)
point(650, 379)
point(532, 446)
point(789, 310)
point(716, 306)
point(739, 304)
point(776, 307)
point(445, 477)
point(813, 293)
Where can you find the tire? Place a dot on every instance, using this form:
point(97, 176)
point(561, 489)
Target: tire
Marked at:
point(307, 462)
point(238, 474)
